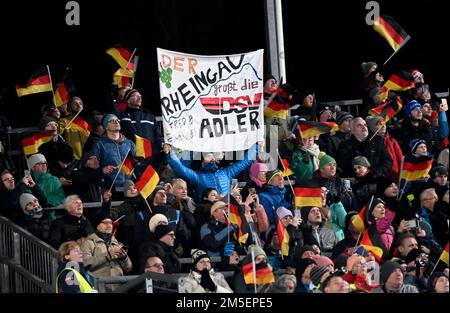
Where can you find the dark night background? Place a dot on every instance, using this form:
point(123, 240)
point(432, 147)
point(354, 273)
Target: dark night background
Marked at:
point(325, 43)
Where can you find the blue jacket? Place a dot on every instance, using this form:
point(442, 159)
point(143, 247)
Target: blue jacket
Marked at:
point(208, 177)
point(442, 130)
point(271, 198)
point(110, 152)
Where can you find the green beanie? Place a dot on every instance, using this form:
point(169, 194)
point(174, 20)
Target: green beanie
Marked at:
point(326, 159)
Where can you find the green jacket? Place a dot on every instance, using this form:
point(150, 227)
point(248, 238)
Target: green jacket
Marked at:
point(337, 215)
point(301, 169)
point(51, 187)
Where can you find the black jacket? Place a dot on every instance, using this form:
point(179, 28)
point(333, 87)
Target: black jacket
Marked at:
point(38, 227)
point(68, 228)
point(158, 248)
point(88, 183)
point(374, 150)
point(9, 200)
point(409, 132)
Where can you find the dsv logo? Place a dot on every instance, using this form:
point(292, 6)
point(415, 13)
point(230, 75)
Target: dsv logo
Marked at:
point(226, 105)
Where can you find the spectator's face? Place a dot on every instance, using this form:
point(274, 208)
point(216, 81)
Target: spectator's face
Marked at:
point(290, 286)
point(336, 285)
point(308, 101)
point(286, 220)
point(416, 114)
point(40, 167)
point(430, 198)
point(160, 197)
point(132, 191)
point(323, 194)
point(113, 125)
point(407, 245)
point(441, 180)
point(135, 101)
point(155, 265)
point(359, 129)
point(421, 149)
point(8, 181)
point(345, 126)
point(93, 162)
point(391, 191)
point(262, 176)
point(260, 259)
point(418, 78)
point(278, 181)
point(395, 280)
point(77, 105)
point(105, 226)
point(209, 158)
point(75, 208)
point(32, 205)
point(325, 116)
point(56, 113)
point(441, 285)
point(213, 196)
point(307, 142)
point(75, 255)
point(168, 239)
point(308, 254)
point(270, 86)
point(379, 211)
point(360, 170)
point(202, 264)
point(328, 171)
point(180, 190)
point(426, 110)
point(314, 216)
point(219, 215)
point(51, 127)
point(380, 127)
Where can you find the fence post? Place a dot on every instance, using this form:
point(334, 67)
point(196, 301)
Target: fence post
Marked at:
point(17, 278)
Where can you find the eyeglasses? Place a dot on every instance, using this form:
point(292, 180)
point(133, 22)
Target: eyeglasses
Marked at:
point(107, 222)
point(159, 265)
point(9, 180)
point(41, 163)
point(171, 235)
point(114, 120)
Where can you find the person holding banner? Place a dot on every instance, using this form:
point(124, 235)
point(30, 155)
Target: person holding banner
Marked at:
point(112, 150)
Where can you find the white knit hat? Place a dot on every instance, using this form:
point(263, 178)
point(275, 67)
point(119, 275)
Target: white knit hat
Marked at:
point(156, 220)
point(35, 159)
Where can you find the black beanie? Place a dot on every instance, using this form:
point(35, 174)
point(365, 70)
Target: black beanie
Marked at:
point(129, 93)
point(162, 230)
point(305, 212)
point(301, 267)
point(382, 184)
point(371, 204)
point(387, 269)
point(100, 217)
point(44, 121)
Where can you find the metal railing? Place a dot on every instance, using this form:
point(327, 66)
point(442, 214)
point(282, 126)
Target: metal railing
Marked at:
point(27, 264)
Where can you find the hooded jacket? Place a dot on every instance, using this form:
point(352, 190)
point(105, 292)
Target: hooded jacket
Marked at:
point(271, 198)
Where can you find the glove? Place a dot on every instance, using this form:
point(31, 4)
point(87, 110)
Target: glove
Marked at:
point(228, 249)
point(206, 281)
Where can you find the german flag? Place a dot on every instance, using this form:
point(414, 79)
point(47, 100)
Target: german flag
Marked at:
point(31, 144)
point(400, 82)
point(283, 239)
point(123, 76)
point(372, 242)
point(279, 105)
point(81, 125)
point(387, 27)
point(146, 178)
point(63, 92)
point(310, 129)
point(359, 222)
point(286, 169)
point(388, 109)
point(444, 255)
point(120, 54)
point(127, 166)
point(143, 147)
point(237, 217)
point(307, 193)
point(415, 167)
point(264, 274)
point(38, 82)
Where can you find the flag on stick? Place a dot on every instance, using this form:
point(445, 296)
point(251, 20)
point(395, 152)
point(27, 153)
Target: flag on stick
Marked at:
point(120, 54)
point(39, 82)
point(143, 147)
point(310, 129)
point(415, 167)
point(394, 34)
point(31, 144)
point(264, 274)
point(388, 109)
point(146, 178)
point(307, 193)
point(63, 92)
point(283, 239)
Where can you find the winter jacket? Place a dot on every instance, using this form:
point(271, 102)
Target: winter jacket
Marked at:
point(423, 131)
point(154, 247)
point(271, 198)
point(97, 259)
point(327, 238)
point(111, 152)
point(143, 124)
point(214, 235)
point(405, 288)
point(9, 199)
point(209, 176)
point(89, 183)
point(332, 145)
point(364, 188)
point(396, 154)
point(55, 151)
point(68, 228)
point(337, 219)
point(51, 187)
point(38, 227)
point(184, 227)
point(192, 283)
point(302, 164)
point(74, 138)
point(337, 192)
point(374, 150)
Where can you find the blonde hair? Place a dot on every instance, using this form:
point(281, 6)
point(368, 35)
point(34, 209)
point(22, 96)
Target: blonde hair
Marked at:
point(65, 248)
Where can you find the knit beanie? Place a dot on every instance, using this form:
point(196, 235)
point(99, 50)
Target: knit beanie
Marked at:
point(410, 107)
point(106, 119)
point(129, 93)
point(44, 121)
point(366, 66)
point(325, 160)
point(382, 184)
point(372, 122)
point(162, 230)
point(197, 255)
point(35, 159)
point(127, 185)
point(26, 198)
point(370, 206)
point(304, 211)
point(438, 170)
point(302, 264)
point(282, 212)
point(387, 269)
point(156, 220)
point(362, 161)
point(316, 274)
point(271, 174)
point(415, 143)
point(433, 279)
point(342, 116)
point(257, 250)
point(100, 217)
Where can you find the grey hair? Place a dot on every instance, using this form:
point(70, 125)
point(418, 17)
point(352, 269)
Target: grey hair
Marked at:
point(422, 195)
point(281, 281)
point(70, 199)
point(354, 121)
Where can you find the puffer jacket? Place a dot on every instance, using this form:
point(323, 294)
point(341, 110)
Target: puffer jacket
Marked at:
point(51, 187)
point(111, 152)
point(96, 257)
point(206, 177)
point(327, 237)
point(141, 123)
point(192, 283)
point(271, 198)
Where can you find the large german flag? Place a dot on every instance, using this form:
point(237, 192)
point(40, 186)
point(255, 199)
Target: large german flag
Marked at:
point(63, 92)
point(387, 27)
point(310, 129)
point(400, 81)
point(123, 76)
point(359, 221)
point(372, 242)
point(286, 169)
point(279, 105)
point(307, 193)
point(31, 144)
point(283, 239)
point(388, 109)
point(38, 82)
point(146, 178)
point(81, 125)
point(415, 167)
point(143, 147)
point(444, 255)
point(120, 54)
point(264, 274)
point(237, 217)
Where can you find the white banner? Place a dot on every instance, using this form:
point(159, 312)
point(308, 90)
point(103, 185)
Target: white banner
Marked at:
point(211, 103)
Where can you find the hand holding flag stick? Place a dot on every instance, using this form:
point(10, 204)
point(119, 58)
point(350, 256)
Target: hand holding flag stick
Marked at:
point(287, 177)
point(118, 171)
point(70, 122)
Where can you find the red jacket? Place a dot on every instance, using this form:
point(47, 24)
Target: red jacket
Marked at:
point(396, 154)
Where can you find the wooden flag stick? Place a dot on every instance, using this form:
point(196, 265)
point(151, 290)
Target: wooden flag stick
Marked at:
point(51, 84)
point(148, 205)
point(118, 171)
point(400, 177)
